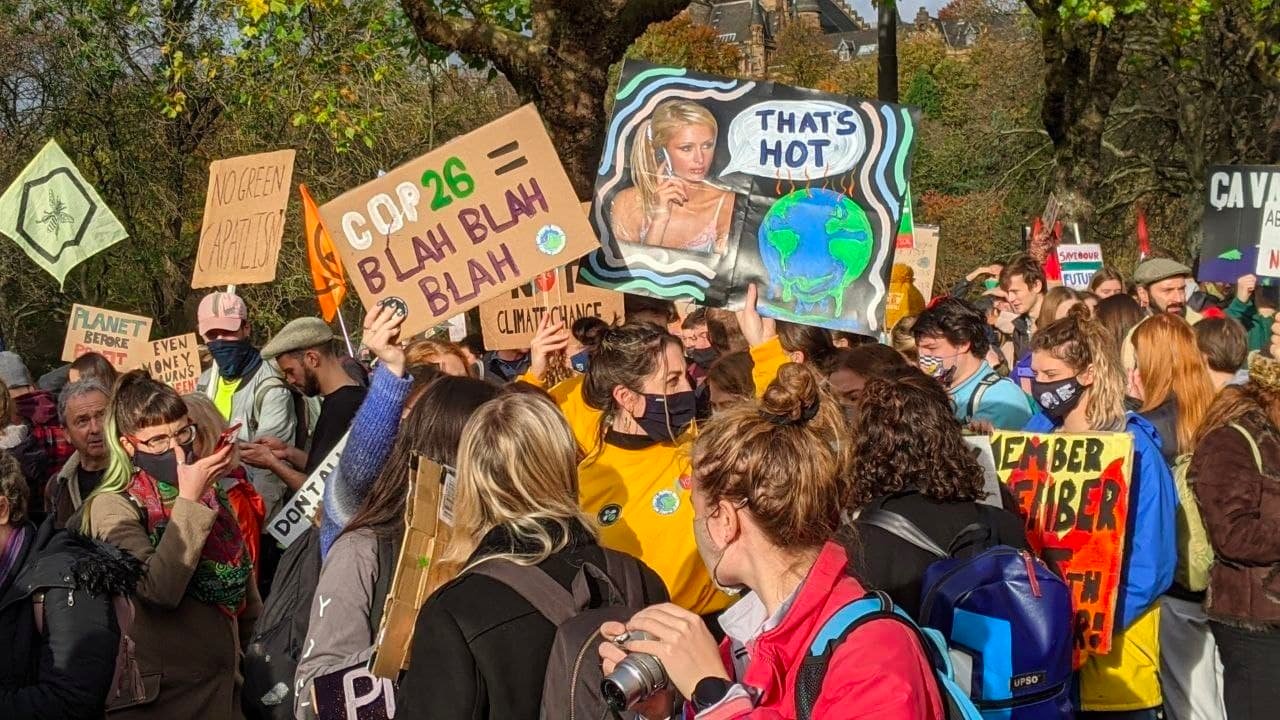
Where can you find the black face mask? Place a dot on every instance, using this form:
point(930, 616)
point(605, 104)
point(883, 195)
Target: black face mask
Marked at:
point(162, 467)
point(1059, 398)
point(702, 357)
point(666, 416)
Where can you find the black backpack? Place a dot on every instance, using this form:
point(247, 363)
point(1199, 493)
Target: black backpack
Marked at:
point(571, 683)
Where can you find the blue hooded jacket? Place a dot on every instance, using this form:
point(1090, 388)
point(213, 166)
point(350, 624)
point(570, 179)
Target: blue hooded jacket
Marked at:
point(1152, 551)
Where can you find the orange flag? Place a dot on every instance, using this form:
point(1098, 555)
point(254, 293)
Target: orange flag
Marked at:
point(326, 266)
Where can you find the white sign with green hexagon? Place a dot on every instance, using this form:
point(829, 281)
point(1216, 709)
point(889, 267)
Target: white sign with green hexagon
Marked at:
point(55, 215)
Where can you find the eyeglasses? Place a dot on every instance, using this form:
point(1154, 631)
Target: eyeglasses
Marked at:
point(162, 443)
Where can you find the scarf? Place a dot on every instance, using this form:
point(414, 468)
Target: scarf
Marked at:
point(12, 552)
point(222, 575)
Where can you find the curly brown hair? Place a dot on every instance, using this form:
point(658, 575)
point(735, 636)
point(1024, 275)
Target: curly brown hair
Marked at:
point(905, 437)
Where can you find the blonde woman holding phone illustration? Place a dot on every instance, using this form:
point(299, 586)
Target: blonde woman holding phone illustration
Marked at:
point(671, 202)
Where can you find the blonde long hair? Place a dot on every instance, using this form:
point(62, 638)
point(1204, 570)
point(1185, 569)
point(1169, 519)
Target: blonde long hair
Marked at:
point(1169, 363)
point(653, 136)
point(1082, 343)
point(517, 469)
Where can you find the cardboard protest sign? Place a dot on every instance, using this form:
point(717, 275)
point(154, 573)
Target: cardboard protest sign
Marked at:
point(175, 362)
point(1073, 490)
point(921, 256)
point(428, 530)
point(55, 215)
point(353, 693)
point(292, 520)
point(511, 320)
point(707, 184)
point(243, 219)
point(464, 223)
point(1079, 263)
point(1242, 212)
point(119, 337)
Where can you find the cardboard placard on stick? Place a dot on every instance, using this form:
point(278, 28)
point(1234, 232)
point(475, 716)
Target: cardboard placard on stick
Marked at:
point(175, 362)
point(119, 337)
point(510, 320)
point(428, 530)
point(444, 232)
point(243, 219)
point(1073, 491)
point(1079, 263)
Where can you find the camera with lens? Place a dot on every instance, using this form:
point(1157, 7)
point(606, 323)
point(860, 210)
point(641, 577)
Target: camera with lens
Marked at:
point(637, 677)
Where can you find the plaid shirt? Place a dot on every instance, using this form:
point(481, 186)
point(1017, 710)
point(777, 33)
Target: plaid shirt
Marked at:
point(41, 411)
point(56, 446)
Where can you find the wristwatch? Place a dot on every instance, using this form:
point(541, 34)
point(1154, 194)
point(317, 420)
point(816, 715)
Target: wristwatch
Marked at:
point(709, 691)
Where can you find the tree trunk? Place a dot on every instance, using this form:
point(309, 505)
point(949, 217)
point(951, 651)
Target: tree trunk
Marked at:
point(1082, 80)
point(887, 52)
point(562, 66)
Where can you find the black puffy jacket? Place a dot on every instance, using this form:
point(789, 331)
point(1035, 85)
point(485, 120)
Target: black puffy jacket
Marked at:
point(66, 671)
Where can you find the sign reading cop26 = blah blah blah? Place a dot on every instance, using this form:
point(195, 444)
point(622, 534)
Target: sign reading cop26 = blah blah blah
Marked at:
point(478, 216)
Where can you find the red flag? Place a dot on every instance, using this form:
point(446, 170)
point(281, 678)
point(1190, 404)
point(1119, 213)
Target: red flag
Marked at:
point(1144, 239)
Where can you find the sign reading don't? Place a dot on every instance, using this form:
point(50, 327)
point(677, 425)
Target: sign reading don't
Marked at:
point(444, 232)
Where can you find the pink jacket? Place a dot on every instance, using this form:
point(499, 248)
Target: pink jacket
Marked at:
point(880, 672)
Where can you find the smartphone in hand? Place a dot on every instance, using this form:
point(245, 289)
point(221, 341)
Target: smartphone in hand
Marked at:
point(227, 436)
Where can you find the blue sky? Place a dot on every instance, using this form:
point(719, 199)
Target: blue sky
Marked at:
point(906, 8)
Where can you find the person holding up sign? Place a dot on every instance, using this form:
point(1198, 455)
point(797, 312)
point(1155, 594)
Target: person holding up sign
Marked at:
point(1079, 382)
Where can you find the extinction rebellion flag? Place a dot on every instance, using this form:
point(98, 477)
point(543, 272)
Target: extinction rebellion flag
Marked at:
point(55, 215)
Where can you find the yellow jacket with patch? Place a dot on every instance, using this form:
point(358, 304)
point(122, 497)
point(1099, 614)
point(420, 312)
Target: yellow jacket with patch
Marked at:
point(640, 499)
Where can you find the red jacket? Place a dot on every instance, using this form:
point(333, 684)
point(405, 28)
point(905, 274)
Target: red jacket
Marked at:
point(880, 672)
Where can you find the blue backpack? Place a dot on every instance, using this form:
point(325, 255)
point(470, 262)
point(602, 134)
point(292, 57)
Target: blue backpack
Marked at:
point(876, 606)
point(1005, 615)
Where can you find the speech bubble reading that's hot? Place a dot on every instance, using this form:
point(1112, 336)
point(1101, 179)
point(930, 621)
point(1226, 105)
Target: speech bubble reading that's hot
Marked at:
point(789, 139)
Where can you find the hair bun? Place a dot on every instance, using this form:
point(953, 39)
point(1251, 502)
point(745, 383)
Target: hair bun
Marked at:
point(792, 398)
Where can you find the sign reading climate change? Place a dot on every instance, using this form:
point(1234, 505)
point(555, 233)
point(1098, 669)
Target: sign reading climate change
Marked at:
point(1073, 490)
point(1241, 223)
point(446, 231)
point(707, 184)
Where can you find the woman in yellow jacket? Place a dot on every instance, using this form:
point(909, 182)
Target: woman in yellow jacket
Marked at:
point(633, 412)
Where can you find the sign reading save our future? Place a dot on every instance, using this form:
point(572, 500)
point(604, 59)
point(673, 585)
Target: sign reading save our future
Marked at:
point(444, 232)
point(1073, 490)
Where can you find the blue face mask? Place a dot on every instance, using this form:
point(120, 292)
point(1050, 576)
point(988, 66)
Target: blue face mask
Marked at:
point(235, 358)
point(667, 416)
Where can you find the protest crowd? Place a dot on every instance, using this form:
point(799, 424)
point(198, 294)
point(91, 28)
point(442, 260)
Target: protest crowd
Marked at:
point(1036, 496)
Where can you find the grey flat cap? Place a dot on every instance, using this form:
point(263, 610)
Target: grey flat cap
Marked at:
point(299, 334)
point(1157, 269)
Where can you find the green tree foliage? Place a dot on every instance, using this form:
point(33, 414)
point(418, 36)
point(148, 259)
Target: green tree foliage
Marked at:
point(681, 43)
point(802, 56)
point(924, 93)
point(143, 97)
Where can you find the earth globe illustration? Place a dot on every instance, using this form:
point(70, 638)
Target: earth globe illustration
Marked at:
point(815, 243)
